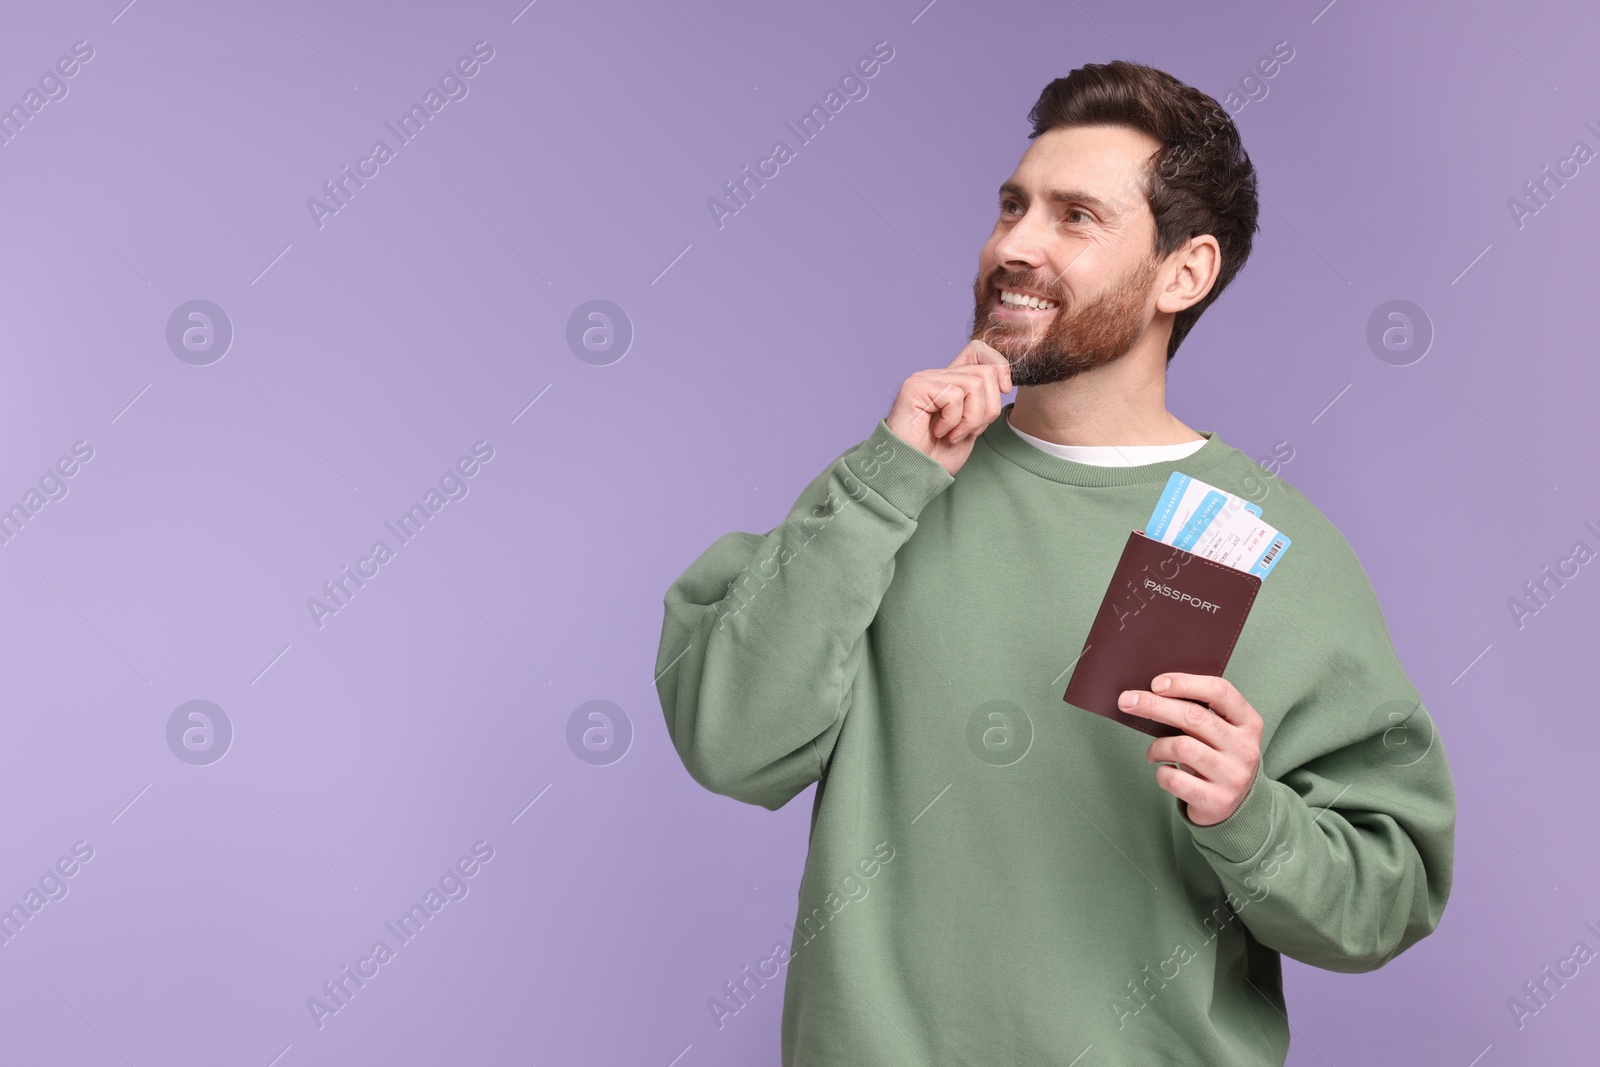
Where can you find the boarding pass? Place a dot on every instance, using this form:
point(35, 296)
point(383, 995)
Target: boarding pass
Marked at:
point(1216, 525)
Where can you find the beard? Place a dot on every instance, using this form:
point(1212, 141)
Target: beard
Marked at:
point(1076, 339)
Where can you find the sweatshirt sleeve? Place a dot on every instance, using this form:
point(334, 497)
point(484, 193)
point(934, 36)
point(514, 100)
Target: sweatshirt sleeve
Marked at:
point(1340, 856)
point(763, 635)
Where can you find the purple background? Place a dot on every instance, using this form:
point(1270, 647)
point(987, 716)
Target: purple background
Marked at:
point(431, 312)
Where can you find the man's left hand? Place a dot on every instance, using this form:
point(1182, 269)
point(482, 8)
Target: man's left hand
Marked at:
point(1219, 749)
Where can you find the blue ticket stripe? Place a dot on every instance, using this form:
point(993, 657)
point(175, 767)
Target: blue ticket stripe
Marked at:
point(1254, 509)
point(1161, 517)
point(1270, 556)
point(1208, 509)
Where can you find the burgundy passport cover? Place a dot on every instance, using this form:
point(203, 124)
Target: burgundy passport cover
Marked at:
point(1165, 610)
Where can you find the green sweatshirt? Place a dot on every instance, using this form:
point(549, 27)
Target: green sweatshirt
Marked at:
point(994, 876)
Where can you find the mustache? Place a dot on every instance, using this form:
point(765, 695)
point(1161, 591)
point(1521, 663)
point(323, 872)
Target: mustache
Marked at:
point(1029, 281)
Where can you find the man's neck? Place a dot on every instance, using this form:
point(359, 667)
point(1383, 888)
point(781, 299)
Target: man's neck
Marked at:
point(1119, 403)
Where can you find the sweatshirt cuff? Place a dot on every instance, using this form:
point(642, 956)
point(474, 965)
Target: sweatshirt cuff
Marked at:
point(1240, 836)
point(903, 475)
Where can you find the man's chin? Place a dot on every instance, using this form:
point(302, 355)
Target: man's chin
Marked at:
point(1025, 375)
point(1046, 368)
point(1013, 346)
point(1027, 368)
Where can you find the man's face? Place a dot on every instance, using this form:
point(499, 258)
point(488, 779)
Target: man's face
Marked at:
point(1074, 230)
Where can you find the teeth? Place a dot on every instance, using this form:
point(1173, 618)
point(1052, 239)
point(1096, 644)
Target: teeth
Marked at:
point(1011, 299)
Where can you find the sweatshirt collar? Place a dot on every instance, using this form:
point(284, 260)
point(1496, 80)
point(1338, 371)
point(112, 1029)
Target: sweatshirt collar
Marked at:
point(1003, 439)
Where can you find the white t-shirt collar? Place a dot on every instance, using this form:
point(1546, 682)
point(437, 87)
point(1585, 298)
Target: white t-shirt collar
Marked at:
point(1112, 455)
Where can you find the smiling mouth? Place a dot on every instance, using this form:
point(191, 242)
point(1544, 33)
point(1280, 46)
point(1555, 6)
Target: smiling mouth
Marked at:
point(1025, 302)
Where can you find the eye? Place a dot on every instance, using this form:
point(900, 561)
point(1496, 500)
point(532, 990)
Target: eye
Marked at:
point(1078, 211)
point(1007, 203)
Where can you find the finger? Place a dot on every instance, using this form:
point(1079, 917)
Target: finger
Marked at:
point(999, 385)
point(1194, 719)
point(950, 401)
point(979, 399)
point(981, 403)
point(1191, 754)
point(1193, 791)
point(976, 351)
point(980, 352)
point(1210, 689)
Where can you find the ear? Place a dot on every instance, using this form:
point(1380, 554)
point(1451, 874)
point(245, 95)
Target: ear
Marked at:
point(1192, 270)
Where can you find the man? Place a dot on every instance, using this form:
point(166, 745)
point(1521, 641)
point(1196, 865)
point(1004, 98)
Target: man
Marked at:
point(995, 876)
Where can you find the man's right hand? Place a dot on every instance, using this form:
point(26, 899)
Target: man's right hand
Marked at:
point(941, 412)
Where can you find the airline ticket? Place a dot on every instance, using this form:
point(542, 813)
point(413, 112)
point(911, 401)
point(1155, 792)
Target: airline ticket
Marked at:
point(1216, 525)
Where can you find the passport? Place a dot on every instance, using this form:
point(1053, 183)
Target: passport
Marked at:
point(1165, 609)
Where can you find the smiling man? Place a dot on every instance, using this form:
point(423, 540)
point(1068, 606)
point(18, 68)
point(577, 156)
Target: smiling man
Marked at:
point(1064, 890)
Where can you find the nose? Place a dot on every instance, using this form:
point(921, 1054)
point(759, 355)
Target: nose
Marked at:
point(1021, 247)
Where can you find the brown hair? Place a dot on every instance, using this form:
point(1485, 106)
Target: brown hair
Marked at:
point(1199, 181)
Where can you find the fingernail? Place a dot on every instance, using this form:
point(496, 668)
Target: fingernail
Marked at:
point(1162, 684)
point(1128, 699)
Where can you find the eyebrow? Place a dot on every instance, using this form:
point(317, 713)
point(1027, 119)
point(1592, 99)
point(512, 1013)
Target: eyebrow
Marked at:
point(1063, 196)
